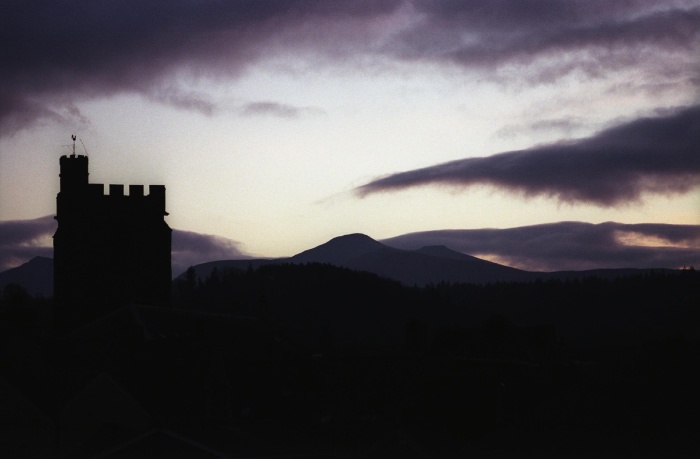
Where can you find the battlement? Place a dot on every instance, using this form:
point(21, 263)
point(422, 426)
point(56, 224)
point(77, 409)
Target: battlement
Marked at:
point(117, 190)
point(67, 159)
point(78, 195)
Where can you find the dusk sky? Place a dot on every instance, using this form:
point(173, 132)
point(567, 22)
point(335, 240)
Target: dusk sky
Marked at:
point(522, 126)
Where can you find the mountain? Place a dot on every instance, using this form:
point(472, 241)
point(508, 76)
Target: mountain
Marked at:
point(35, 276)
point(410, 267)
point(340, 250)
point(430, 264)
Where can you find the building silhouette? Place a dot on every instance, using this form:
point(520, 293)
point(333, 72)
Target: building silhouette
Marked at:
point(109, 249)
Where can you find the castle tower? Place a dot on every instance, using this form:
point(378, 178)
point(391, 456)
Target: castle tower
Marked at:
point(109, 249)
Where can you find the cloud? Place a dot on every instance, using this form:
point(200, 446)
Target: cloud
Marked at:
point(563, 126)
point(189, 248)
point(186, 100)
point(592, 37)
point(547, 247)
point(55, 53)
point(277, 109)
point(571, 245)
point(616, 166)
point(22, 240)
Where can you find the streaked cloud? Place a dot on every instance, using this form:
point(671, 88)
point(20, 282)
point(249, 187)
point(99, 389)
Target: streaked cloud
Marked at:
point(190, 248)
point(656, 155)
point(57, 52)
point(186, 100)
point(22, 240)
point(277, 109)
point(549, 38)
point(571, 245)
point(567, 127)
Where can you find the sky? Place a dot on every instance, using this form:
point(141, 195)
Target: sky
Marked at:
point(496, 127)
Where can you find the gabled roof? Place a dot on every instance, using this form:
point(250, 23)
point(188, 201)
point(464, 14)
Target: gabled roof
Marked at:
point(20, 418)
point(161, 443)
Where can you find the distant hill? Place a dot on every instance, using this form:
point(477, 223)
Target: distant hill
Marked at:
point(410, 267)
point(427, 265)
point(341, 250)
point(35, 276)
point(431, 264)
point(420, 267)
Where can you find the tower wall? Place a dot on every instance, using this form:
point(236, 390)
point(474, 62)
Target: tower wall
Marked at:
point(109, 249)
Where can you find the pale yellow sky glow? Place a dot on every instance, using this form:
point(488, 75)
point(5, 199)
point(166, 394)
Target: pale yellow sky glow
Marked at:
point(632, 238)
point(281, 184)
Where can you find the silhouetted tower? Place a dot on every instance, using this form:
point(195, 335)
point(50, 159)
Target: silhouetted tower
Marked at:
point(109, 250)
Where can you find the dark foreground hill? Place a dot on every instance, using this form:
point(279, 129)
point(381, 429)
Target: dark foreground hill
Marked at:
point(315, 360)
point(362, 308)
point(556, 368)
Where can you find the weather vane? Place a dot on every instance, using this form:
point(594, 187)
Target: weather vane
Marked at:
point(74, 138)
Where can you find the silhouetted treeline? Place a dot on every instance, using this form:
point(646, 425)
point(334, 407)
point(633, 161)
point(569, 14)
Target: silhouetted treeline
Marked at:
point(591, 311)
point(246, 291)
point(655, 305)
point(551, 368)
point(23, 317)
point(313, 303)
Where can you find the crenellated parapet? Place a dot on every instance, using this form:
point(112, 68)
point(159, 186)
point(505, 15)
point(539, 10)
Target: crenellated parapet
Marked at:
point(78, 195)
point(136, 200)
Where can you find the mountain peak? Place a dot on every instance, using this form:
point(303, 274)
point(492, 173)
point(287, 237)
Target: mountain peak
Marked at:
point(353, 238)
point(340, 249)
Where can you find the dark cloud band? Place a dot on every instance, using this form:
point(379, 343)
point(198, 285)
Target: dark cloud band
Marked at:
point(190, 248)
point(618, 165)
point(571, 245)
point(57, 52)
point(22, 240)
point(547, 247)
